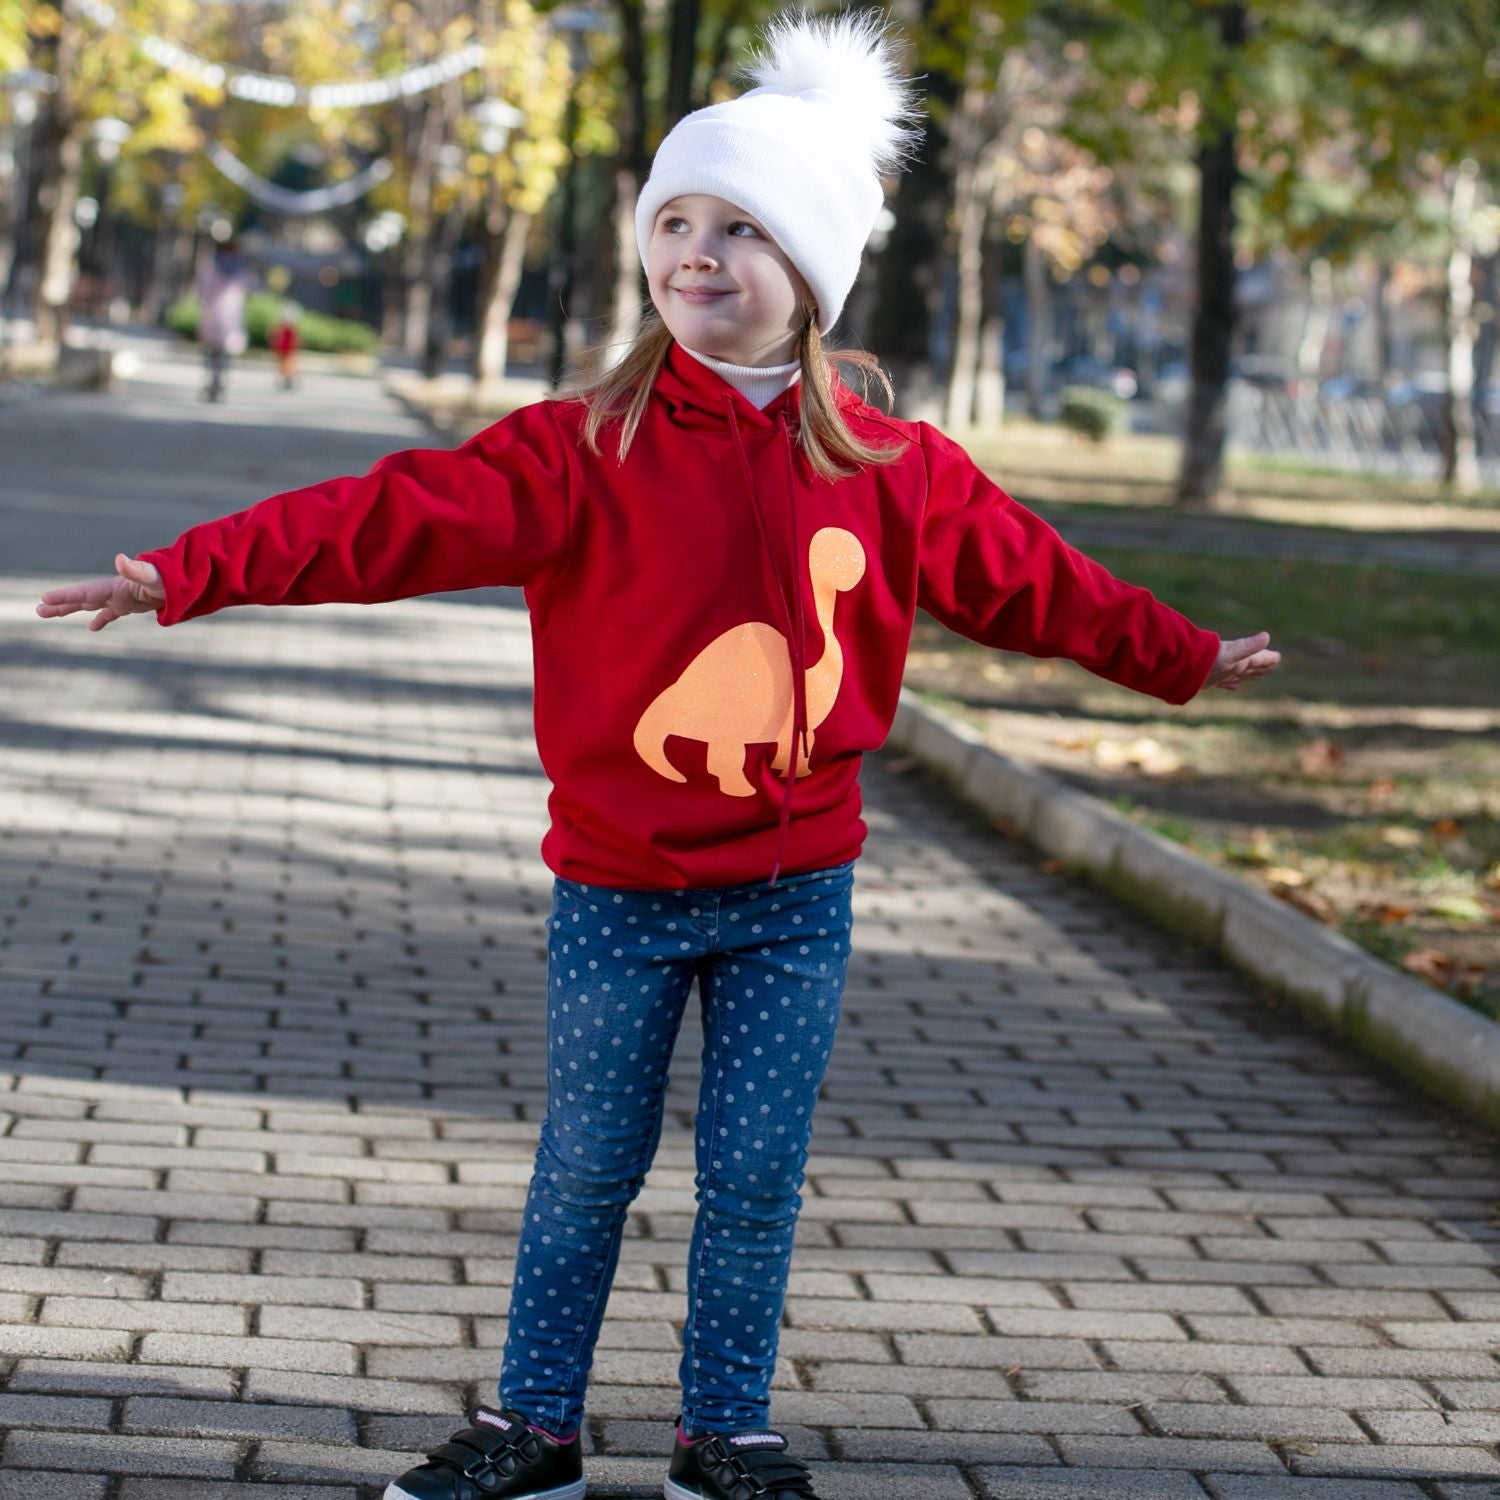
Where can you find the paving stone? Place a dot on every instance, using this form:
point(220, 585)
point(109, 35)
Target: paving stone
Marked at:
point(1271, 1424)
point(18, 1484)
point(91, 1378)
point(1086, 1484)
point(174, 1489)
point(880, 1481)
point(110, 1452)
point(52, 1411)
point(1421, 1462)
point(1446, 1427)
point(1287, 1487)
point(1415, 1363)
point(236, 1419)
point(1168, 1453)
point(1328, 1391)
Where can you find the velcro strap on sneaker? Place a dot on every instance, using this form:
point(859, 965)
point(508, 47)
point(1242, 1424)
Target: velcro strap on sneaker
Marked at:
point(758, 1464)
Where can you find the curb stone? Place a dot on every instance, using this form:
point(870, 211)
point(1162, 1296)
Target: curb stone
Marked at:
point(1442, 1046)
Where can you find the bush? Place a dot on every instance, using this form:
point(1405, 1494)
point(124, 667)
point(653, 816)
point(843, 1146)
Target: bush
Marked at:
point(320, 334)
point(1096, 414)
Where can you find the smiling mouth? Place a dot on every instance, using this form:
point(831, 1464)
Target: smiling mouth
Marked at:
point(699, 294)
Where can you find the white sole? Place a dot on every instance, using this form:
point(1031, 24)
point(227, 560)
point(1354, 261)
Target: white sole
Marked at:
point(393, 1491)
point(676, 1492)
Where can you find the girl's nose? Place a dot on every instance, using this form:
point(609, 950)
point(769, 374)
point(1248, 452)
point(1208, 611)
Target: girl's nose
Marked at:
point(697, 255)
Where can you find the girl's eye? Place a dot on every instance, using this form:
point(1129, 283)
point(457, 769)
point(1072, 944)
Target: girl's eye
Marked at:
point(670, 225)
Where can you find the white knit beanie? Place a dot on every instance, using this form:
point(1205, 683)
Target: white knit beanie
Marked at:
point(803, 152)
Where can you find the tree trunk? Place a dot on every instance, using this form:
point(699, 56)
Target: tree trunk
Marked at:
point(10, 208)
point(972, 192)
point(1038, 326)
point(909, 270)
point(1202, 473)
point(989, 395)
point(1489, 334)
point(1315, 327)
point(499, 294)
point(1381, 309)
point(57, 157)
point(60, 247)
point(684, 49)
point(438, 277)
point(630, 173)
point(426, 135)
point(1460, 457)
point(629, 299)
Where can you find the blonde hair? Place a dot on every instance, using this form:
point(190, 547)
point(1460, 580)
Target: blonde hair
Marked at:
point(620, 392)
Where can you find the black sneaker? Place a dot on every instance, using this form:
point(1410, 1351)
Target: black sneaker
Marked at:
point(496, 1457)
point(736, 1466)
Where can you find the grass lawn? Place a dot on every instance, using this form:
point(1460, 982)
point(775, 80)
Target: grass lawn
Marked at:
point(1360, 782)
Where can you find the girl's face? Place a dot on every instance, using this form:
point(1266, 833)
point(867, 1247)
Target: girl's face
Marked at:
point(722, 285)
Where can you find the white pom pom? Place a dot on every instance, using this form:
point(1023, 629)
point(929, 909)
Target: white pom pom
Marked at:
point(851, 58)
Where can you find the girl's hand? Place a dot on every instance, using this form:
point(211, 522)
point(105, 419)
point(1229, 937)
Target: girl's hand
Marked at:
point(137, 589)
point(1242, 661)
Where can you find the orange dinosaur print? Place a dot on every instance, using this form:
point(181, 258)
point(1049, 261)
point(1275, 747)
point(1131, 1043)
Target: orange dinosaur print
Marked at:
point(737, 691)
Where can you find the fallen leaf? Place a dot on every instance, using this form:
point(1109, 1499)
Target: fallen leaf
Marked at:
point(1006, 827)
point(1320, 756)
point(1042, 670)
point(1387, 912)
point(994, 671)
point(1381, 791)
point(1072, 742)
point(1399, 837)
point(1285, 875)
point(1054, 866)
point(1262, 847)
point(1447, 828)
point(1150, 755)
point(1492, 879)
point(1458, 909)
point(1430, 964)
point(1307, 901)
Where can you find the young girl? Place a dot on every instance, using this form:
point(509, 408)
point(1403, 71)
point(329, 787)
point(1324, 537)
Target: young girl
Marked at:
point(722, 548)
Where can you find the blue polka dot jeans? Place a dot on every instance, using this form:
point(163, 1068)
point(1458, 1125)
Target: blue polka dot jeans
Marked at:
point(770, 966)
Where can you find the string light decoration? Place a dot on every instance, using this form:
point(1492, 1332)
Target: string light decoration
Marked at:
point(265, 88)
point(289, 201)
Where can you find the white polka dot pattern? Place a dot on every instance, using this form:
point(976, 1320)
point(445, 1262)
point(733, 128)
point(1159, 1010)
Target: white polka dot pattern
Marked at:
point(771, 966)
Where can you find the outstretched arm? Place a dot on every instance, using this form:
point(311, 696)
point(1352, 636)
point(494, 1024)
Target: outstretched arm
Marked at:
point(494, 511)
point(135, 589)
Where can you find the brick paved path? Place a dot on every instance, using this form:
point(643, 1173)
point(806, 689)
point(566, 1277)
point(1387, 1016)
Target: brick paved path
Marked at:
point(1084, 1220)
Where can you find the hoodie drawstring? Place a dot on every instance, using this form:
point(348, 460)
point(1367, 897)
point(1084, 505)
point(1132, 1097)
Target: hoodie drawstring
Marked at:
point(791, 613)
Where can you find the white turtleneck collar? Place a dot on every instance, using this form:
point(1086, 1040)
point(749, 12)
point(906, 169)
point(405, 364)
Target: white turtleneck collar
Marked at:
point(760, 385)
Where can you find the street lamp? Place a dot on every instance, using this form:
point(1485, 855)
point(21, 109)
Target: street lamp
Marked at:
point(574, 22)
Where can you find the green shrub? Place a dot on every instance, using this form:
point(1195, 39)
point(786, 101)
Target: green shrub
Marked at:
point(1096, 414)
point(320, 333)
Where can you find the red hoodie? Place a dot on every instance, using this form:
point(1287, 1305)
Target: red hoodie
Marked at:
point(698, 607)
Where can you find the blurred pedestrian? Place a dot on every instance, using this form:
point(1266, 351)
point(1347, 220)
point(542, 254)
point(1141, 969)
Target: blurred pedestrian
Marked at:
point(222, 287)
point(286, 339)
